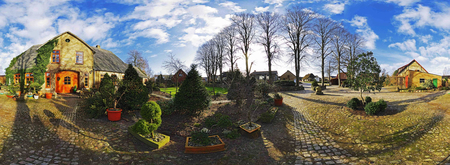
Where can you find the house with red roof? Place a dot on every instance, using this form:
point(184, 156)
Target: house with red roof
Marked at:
point(414, 75)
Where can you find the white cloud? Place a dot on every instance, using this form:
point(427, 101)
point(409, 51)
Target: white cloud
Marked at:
point(168, 51)
point(152, 56)
point(232, 6)
point(261, 9)
point(160, 35)
point(403, 2)
point(426, 38)
point(335, 8)
point(274, 1)
point(365, 31)
point(422, 16)
point(409, 45)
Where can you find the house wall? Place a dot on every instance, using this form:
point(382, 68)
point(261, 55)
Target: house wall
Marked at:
point(99, 75)
point(180, 78)
point(414, 78)
point(2, 79)
point(68, 60)
point(288, 76)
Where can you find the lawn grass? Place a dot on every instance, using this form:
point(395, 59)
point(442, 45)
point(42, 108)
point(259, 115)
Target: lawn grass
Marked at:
point(172, 91)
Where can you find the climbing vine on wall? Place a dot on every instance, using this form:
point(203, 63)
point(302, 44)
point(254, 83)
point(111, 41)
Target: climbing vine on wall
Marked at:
point(42, 60)
point(10, 73)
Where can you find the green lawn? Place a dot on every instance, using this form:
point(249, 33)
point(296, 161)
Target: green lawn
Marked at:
point(172, 89)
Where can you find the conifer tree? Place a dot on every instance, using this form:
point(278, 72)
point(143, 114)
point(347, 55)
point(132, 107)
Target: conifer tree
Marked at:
point(136, 94)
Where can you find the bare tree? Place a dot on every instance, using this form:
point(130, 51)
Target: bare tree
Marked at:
point(324, 29)
point(354, 48)
point(269, 23)
point(135, 58)
point(339, 42)
point(173, 65)
point(297, 25)
point(220, 44)
point(244, 23)
point(230, 37)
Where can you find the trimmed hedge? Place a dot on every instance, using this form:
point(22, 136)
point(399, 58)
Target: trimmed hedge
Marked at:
point(284, 83)
point(368, 99)
point(375, 107)
point(353, 103)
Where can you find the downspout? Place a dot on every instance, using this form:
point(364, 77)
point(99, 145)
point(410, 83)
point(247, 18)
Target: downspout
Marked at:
point(93, 72)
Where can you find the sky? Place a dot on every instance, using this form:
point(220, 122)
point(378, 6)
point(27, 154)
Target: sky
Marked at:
point(396, 31)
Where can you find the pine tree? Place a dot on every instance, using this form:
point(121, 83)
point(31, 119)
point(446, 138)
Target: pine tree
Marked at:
point(136, 94)
point(192, 97)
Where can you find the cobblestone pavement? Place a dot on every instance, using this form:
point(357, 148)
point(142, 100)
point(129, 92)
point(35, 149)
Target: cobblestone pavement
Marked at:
point(313, 146)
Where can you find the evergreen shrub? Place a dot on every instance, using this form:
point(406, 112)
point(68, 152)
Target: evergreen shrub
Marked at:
point(151, 112)
point(371, 108)
point(353, 103)
point(136, 94)
point(224, 121)
point(368, 99)
point(192, 97)
point(314, 83)
point(141, 127)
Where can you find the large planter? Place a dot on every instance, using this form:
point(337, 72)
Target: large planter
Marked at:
point(204, 149)
point(48, 95)
point(114, 114)
point(278, 102)
point(150, 141)
point(10, 96)
point(252, 133)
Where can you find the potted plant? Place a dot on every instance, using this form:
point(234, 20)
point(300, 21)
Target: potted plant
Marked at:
point(250, 128)
point(145, 128)
point(111, 95)
point(278, 99)
point(12, 91)
point(36, 87)
point(199, 143)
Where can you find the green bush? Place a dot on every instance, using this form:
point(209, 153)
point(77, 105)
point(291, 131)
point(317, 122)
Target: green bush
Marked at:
point(270, 100)
point(371, 108)
point(201, 138)
point(151, 112)
point(224, 121)
point(141, 127)
point(263, 88)
point(149, 85)
point(353, 103)
point(209, 122)
point(267, 116)
point(233, 134)
point(368, 99)
point(167, 107)
point(192, 97)
point(420, 88)
point(156, 89)
point(236, 81)
point(284, 83)
point(428, 84)
point(382, 105)
point(314, 83)
point(136, 93)
point(95, 106)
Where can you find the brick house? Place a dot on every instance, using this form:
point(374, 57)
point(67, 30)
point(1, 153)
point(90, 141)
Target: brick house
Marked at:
point(264, 75)
point(180, 75)
point(343, 77)
point(72, 62)
point(414, 75)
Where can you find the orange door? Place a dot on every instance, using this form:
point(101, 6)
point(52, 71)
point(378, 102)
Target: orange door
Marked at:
point(66, 81)
point(406, 81)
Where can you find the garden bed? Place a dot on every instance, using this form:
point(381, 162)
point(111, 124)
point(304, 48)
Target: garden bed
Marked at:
point(217, 145)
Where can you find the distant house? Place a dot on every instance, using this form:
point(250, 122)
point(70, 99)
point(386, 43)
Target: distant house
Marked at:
point(288, 75)
point(264, 75)
point(335, 81)
point(2, 79)
point(309, 77)
point(180, 75)
point(413, 74)
point(328, 78)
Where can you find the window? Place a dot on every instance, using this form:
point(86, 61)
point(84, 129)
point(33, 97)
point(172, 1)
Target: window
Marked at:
point(47, 80)
point(29, 78)
point(422, 80)
point(180, 75)
point(80, 57)
point(67, 80)
point(17, 78)
point(55, 56)
point(86, 80)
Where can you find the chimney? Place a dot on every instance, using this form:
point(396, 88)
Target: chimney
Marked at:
point(254, 70)
point(98, 46)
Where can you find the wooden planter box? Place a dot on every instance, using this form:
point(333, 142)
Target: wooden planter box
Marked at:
point(252, 134)
point(148, 141)
point(204, 149)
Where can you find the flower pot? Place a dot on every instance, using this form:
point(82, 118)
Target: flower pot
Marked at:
point(114, 114)
point(18, 93)
point(253, 133)
point(204, 149)
point(278, 102)
point(36, 97)
point(149, 141)
point(48, 95)
point(10, 96)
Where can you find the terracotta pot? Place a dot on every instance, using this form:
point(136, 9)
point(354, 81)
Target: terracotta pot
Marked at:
point(204, 149)
point(18, 93)
point(48, 95)
point(278, 102)
point(9, 96)
point(114, 115)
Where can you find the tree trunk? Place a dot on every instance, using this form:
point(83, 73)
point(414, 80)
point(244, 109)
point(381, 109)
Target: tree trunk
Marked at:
point(246, 66)
point(339, 71)
point(270, 72)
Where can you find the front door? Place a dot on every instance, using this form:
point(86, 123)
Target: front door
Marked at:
point(66, 81)
point(406, 81)
point(435, 82)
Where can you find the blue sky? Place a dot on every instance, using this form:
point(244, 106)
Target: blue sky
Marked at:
point(397, 31)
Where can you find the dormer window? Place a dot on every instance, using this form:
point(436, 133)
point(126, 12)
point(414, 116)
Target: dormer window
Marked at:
point(55, 56)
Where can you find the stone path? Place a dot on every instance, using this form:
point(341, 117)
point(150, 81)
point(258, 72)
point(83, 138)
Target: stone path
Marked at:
point(314, 146)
